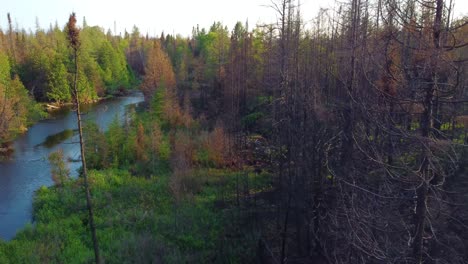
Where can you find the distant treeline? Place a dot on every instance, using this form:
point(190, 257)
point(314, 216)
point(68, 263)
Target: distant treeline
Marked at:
point(36, 67)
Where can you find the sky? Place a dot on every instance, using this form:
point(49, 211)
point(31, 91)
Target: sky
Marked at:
point(155, 16)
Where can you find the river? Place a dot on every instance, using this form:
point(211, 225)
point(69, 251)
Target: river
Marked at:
point(28, 167)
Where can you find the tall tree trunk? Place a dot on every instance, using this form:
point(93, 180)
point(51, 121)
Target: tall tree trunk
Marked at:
point(348, 113)
point(89, 204)
point(73, 37)
point(427, 125)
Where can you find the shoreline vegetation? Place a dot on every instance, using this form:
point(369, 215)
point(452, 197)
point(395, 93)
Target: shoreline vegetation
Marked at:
point(55, 106)
point(7, 149)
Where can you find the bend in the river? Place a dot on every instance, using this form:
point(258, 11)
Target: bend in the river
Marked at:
point(28, 168)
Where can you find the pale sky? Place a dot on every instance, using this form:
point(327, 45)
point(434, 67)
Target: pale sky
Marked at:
point(153, 17)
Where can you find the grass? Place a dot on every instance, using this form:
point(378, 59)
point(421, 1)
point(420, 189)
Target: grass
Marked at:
point(138, 221)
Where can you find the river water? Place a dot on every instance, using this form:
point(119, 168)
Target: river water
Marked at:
point(28, 167)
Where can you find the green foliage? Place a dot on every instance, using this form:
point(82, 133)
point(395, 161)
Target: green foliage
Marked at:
point(45, 69)
point(96, 146)
point(157, 104)
point(17, 109)
point(202, 156)
point(56, 139)
point(164, 148)
point(116, 139)
point(59, 169)
point(259, 50)
point(137, 222)
point(5, 74)
point(58, 86)
point(215, 48)
point(86, 88)
point(257, 112)
point(3, 254)
point(249, 121)
point(33, 70)
point(112, 66)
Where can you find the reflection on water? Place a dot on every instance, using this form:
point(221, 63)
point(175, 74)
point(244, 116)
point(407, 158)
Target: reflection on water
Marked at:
point(58, 138)
point(28, 167)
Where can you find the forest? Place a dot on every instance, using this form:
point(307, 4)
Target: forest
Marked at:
point(343, 141)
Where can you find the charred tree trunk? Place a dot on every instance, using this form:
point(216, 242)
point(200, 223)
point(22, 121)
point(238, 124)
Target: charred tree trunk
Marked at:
point(427, 126)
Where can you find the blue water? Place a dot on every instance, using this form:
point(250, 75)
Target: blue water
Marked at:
point(28, 168)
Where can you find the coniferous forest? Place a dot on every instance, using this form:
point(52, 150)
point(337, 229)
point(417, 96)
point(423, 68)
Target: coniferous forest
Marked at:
point(341, 140)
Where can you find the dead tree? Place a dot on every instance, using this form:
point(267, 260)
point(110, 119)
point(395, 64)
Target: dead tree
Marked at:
point(74, 42)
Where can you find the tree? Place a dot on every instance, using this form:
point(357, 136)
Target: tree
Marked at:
point(58, 86)
point(96, 147)
point(59, 170)
point(17, 108)
point(159, 86)
point(158, 72)
point(136, 52)
point(116, 141)
point(141, 143)
point(73, 38)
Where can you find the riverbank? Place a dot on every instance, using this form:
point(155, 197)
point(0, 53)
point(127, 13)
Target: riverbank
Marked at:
point(27, 168)
point(55, 106)
point(6, 148)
